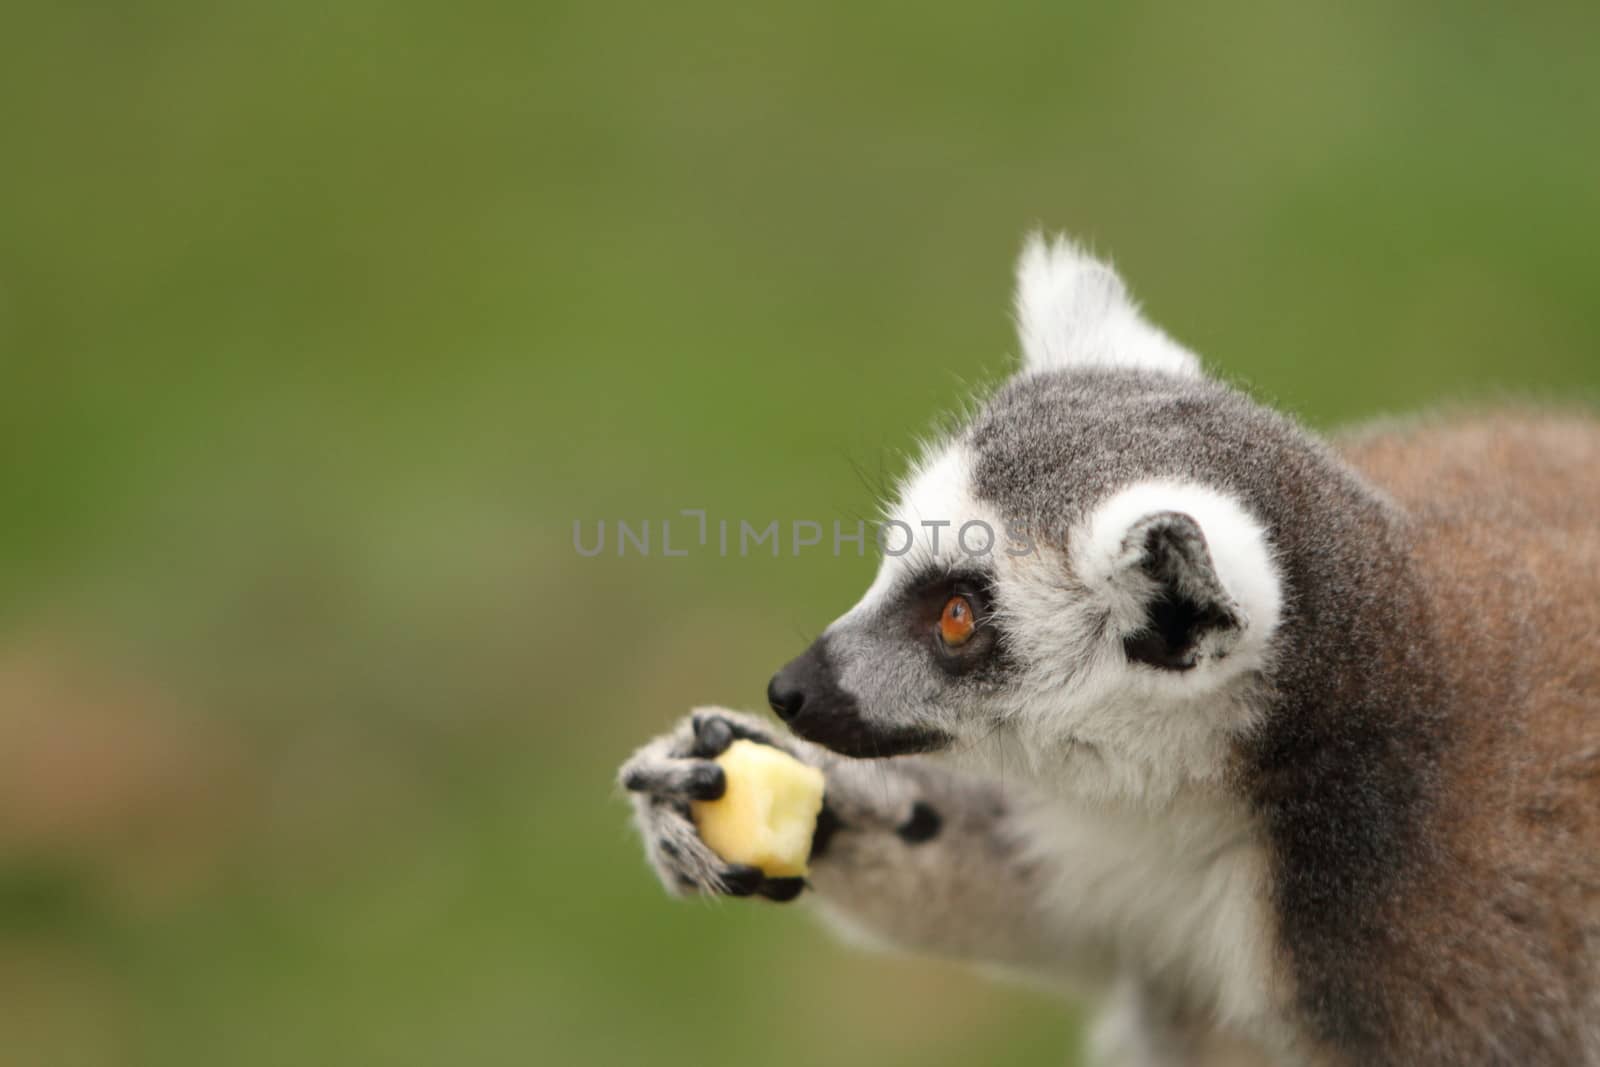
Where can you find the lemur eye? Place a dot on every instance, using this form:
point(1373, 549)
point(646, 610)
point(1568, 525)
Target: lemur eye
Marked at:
point(956, 622)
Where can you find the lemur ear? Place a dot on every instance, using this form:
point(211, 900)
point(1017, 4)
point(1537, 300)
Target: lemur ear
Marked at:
point(1074, 311)
point(1188, 614)
point(1186, 576)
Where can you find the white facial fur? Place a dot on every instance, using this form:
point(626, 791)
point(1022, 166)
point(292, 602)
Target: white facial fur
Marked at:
point(1134, 730)
point(1074, 311)
point(1076, 711)
point(938, 490)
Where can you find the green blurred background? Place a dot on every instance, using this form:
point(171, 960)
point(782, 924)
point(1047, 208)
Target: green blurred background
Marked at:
point(320, 324)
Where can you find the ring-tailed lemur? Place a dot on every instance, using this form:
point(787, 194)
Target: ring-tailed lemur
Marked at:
point(1293, 748)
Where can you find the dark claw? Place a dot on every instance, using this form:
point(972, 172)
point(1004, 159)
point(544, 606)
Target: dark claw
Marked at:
point(707, 782)
point(828, 824)
point(741, 880)
point(923, 825)
point(782, 890)
point(712, 736)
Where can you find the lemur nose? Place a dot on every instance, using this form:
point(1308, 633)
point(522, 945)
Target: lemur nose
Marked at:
point(784, 697)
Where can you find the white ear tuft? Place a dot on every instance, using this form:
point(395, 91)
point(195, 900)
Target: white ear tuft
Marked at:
point(1074, 311)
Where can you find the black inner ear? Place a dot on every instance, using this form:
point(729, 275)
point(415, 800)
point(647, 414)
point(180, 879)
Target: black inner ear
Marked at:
point(1176, 559)
point(1171, 635)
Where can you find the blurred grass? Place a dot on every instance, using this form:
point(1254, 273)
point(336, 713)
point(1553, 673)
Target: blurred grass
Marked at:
point(318, 327)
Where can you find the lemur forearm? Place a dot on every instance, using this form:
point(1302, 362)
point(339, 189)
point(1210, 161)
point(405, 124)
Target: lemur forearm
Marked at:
point(928, 861)
point(908, 852)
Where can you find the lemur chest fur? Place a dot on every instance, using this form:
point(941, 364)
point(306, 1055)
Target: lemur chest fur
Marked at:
point(1182, 898)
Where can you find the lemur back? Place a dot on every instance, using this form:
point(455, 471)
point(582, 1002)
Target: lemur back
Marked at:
point(1501, 924)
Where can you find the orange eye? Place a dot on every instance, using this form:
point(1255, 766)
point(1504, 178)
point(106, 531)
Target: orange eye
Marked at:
point(955, 622)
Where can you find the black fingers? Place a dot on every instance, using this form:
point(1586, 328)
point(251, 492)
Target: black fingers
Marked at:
point(713, 734)
point(743, 880)
point(694, 779)
point(706, 782)
point(782, 890)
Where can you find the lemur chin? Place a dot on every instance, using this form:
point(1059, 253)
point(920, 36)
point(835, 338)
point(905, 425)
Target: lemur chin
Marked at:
point(1286, 749)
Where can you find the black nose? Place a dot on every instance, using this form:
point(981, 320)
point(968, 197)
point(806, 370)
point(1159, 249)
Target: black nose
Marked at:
point(784, 696)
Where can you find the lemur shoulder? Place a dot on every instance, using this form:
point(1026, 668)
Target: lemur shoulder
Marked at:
point(1281, 747)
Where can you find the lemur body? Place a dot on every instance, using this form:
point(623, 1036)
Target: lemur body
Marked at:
point(1290, 748)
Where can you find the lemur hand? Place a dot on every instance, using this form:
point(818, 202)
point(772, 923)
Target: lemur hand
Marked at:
point(669, 772)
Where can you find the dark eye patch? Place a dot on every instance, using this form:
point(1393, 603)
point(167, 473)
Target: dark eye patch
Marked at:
point(923, 602)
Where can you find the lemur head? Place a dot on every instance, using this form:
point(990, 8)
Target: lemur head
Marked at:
point(1117, 633)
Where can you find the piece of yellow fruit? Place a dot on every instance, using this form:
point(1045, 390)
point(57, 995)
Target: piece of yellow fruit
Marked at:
point(767, 816)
